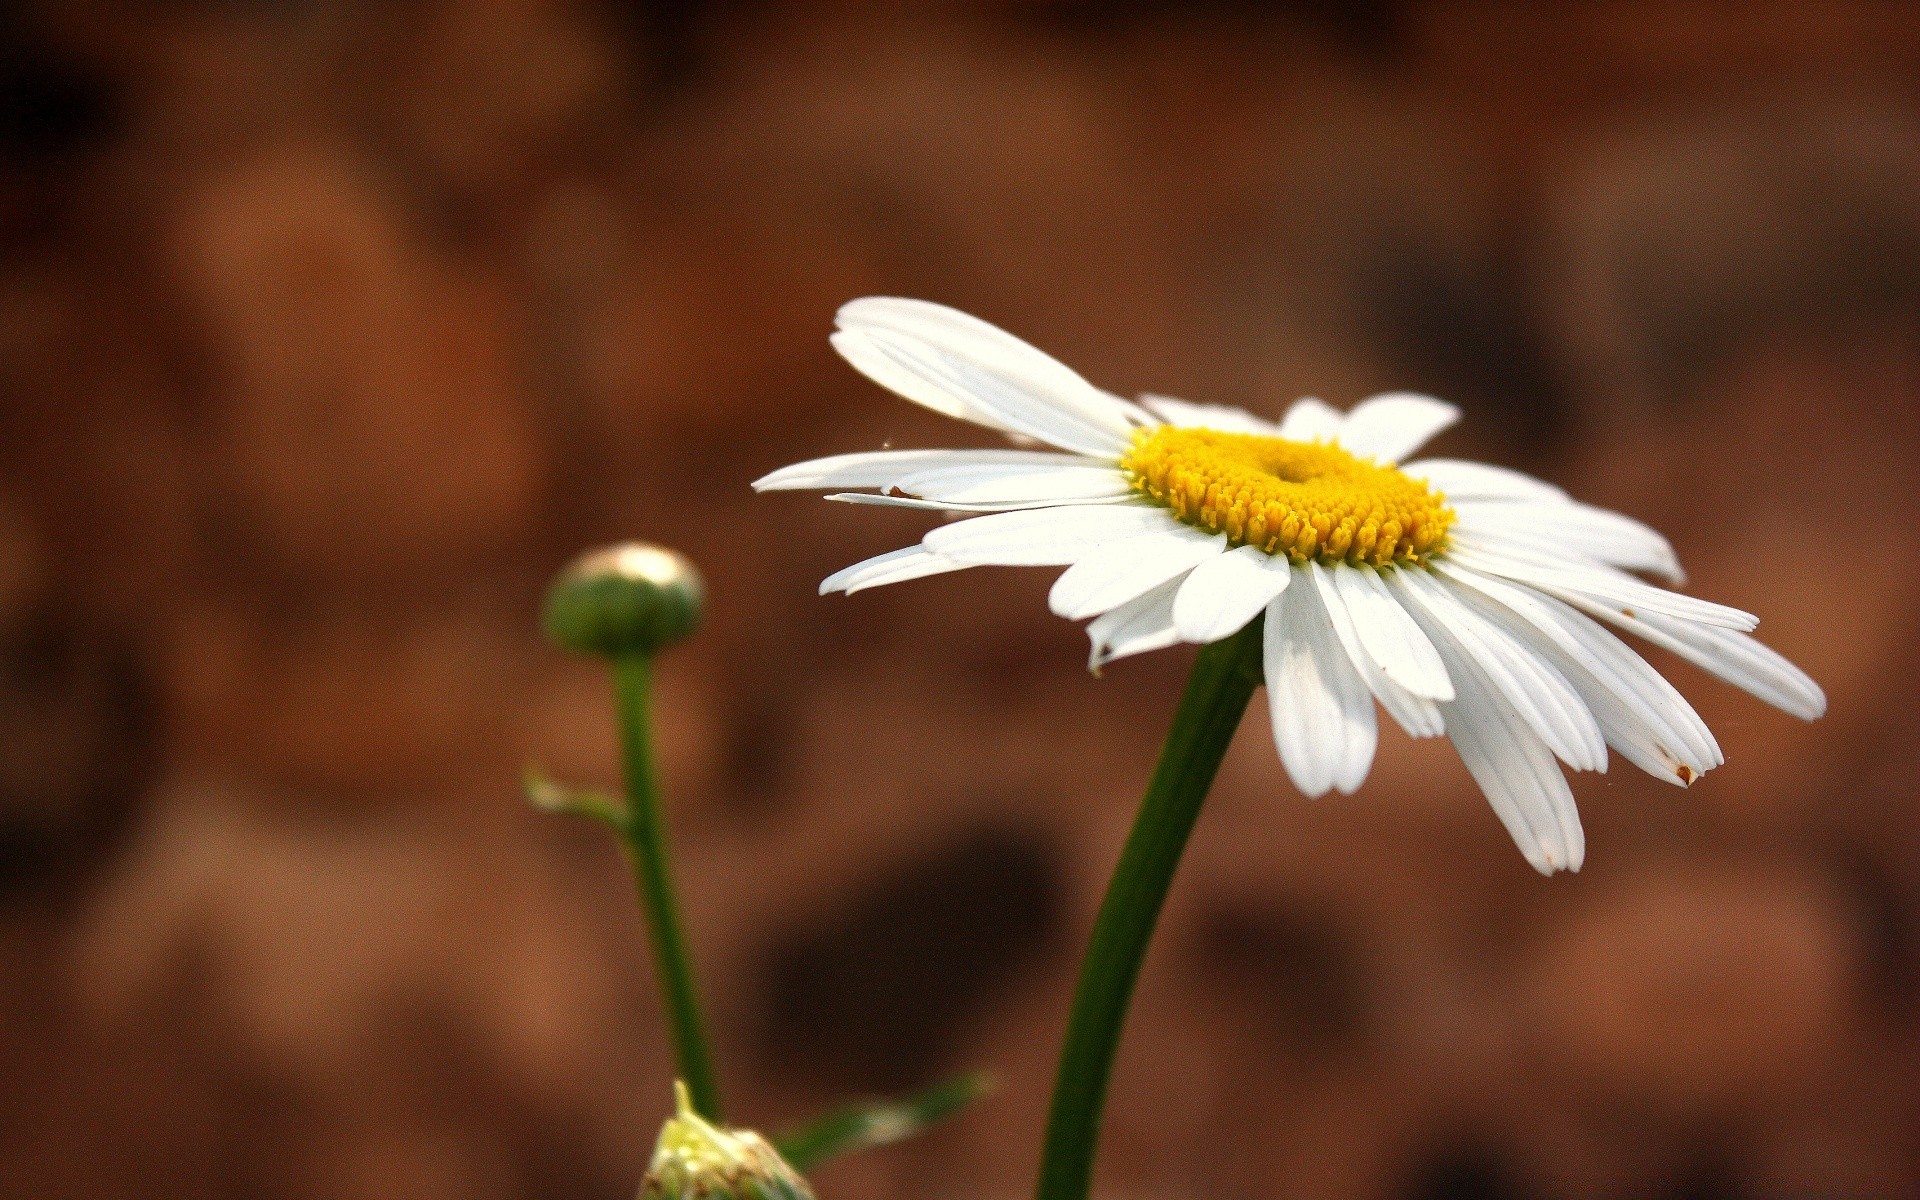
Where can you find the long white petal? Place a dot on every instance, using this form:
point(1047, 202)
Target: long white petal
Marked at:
point(954, 332)
point(1323, 722)
point(1536, 689)
point(971, 365)
point(1385, 629)
point(1464, 480)
point(1047, 418)
point(1602, 585)
point(1600, 534)
point(1310, 420)
point(866, 357)
point(1119, 571)
point(1629, 728)
point(1391, 426)
point(1675, 734)
point(1015, 483)
point(883, 500)
point(1514, 768)
point(1742, 661)
point(1226, 591)
point(1188, 415)
point(1043, 537)
point(1141, 624)
point(883, 468)
point(1418, 715)
point(897, 566)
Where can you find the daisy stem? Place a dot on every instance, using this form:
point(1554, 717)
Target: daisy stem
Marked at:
point(644, 834)
point(1218, 690)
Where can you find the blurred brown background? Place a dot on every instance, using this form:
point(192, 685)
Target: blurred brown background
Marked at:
point(328, 331)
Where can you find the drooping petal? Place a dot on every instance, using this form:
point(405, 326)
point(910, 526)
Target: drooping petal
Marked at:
point(1463, 480)
point(1384, 628)
point(1119, 571)
point(1513, 766)
point(1418, 715)
point(1141, 624)
point(1605, 586)
point(1227, 591)
point(1597, 533)
point(1665, 728)
point(1530, 683)
point(1323, 722)
point(1742, 661)
point(896, 566)
point(1207, 416)
point(1043, 537)
point(962, 366)
point(884, 468)
point(1389, 427)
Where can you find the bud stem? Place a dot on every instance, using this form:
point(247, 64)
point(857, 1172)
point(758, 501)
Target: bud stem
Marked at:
point(1218, 690)
point(645, 836)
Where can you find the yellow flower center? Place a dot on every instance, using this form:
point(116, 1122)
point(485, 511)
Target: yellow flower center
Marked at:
point(1303, 499)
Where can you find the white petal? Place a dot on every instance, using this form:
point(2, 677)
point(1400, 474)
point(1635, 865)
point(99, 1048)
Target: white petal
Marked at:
point(963, 366)
point(1118, 571)
point(1323, 722)
point(1601, 585)
point(1188, 415)
point(1602, 535)
point(1389, 427)
point(1226, 591)
point(1514, 769)
point(1626, 727)
point(1664, 731)
point(1310, 420)
point(1043, 537)
point(1011, 405)
point(1463, 480)
point(954, 332)
point(1016, 483)
point(914, 562)
point(1141, 624)
point(882, 468)
point(1418, 715)
point(1742, 661)
point(880, 500)
point(1534, 687)
point(870, 360)
point(1384, 628)
point(1137, 416)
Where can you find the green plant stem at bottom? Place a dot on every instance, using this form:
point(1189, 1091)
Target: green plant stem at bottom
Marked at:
point(644, 833)
point(1218, 690)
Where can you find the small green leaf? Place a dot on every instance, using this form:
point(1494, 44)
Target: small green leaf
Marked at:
point(881, 1123)
point(548, 796)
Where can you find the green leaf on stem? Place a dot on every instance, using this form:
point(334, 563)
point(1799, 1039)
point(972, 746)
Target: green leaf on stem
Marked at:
point(879, 1123)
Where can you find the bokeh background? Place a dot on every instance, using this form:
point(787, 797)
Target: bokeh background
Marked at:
point(329, 331)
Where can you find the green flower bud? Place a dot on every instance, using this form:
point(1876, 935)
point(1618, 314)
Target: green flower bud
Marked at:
point(632, 598)
point(698, 1160)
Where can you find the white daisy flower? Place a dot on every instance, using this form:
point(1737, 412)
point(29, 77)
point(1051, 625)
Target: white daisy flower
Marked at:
point(1465, 599)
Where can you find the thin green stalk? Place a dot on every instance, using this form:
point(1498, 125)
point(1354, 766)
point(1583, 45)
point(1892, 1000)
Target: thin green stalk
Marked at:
point(1222, 683)
point(645, 837)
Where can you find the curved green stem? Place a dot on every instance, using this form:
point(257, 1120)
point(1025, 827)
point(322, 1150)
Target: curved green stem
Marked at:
point(645, 836)
point(1222, 683)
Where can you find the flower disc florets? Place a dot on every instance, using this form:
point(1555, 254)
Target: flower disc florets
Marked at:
point(1307, 500)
